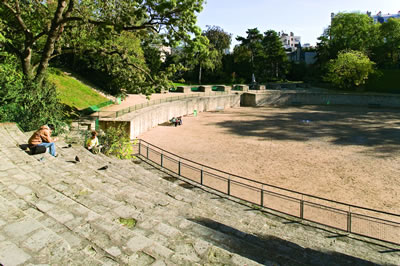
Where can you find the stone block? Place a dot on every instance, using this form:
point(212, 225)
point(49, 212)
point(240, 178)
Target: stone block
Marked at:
point(114, 251)
point(44, 205)
point(71, 239)
point(184, 89)
point(21, 228)
point(167, 230)
point(206, 89)
point(61, 216)
point(137, 243)
point(40, 239)
point(10, 254)
point(159, 251)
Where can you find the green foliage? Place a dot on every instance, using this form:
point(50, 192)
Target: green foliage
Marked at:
point(272, 60)
point(350, 69)
point(218, 38)
point(25, 102)
point(353, 31)
point(117, 143)
point(264, 53)
point(128, 222)
point(106, 34)
point(74, 93)
point(388, 52)
point(386, 80)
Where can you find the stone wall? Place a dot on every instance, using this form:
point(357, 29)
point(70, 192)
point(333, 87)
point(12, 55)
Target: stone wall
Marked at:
point(144, 119)
point(283, 98)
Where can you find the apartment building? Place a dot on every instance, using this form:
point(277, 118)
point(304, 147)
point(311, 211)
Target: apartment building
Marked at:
point(289, 41)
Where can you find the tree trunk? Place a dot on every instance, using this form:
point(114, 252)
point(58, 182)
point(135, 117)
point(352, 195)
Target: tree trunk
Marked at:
point(26, 61)
point(52, 37)
point(200, 75)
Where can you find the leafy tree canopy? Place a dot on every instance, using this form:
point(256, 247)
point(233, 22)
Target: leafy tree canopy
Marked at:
point(41, 30)
point(348, 31)
point(218, 38)
point(390, 45)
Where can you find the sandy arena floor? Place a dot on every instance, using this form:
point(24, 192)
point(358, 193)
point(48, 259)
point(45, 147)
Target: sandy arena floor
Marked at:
point(346, 154)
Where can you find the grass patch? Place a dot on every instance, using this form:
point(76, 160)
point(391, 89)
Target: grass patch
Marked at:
point(180, 84)
point(74, 93)
point(129, 222)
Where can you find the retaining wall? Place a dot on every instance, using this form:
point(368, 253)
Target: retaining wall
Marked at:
point(282, 98)
point(146, 118)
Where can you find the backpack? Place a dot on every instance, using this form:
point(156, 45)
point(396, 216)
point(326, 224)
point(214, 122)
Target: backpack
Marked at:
point(37, 150)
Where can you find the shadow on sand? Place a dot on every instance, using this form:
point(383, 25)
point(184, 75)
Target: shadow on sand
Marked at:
point(339, 125)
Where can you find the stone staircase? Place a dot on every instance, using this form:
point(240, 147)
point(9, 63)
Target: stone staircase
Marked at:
point(58, 211)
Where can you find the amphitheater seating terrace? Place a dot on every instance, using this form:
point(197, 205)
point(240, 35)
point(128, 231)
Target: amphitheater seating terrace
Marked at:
point(59, 212)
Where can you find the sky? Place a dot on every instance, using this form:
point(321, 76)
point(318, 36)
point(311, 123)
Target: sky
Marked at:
point(305, 18)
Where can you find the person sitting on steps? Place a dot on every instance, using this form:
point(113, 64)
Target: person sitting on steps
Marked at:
point(92, 143)
point(42, 137)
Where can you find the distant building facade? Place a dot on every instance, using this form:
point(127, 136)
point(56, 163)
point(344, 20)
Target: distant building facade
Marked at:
point(294, 49)
point(382, 18)
point(289, 41)
point(378, 18)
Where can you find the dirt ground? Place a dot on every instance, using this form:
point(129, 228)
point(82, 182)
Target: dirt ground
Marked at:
point(347, 154)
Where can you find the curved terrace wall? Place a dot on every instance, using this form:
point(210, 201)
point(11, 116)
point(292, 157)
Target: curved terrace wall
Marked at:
point(142, 120)
point(281, 98)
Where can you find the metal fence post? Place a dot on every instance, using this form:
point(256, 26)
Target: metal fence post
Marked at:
point(201, 176)
point(162, 159)
point(179, 167)
point(140, 142)
point(229, 185)
point(349, 221)
point(147, 152)
point(262, 196)
point(302, 208)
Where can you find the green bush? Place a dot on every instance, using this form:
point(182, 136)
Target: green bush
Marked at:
point(25, 102)
point(117, 143)
point(351, 69)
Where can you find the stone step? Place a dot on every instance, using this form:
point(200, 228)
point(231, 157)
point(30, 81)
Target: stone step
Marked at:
point(175, 223)
point(63, 216)
point(29, 236)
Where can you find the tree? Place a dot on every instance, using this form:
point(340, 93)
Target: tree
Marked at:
point(390, 33)
point(273, 59)
point(219, 42)
point(42, 30)
point(21, 100)
point(264, 52)
point(252, 43)
point(350, 69)
point(200, 54)
point(352, 31)
point(218, 38)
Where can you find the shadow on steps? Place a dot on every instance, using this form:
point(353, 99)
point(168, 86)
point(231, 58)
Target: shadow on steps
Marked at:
point(268, 250)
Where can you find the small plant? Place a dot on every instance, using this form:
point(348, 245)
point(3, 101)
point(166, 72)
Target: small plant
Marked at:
point(116, 142)
point(128, 222)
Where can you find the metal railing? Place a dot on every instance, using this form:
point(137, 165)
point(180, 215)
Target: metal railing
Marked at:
point(374, 224)
point(119, 113)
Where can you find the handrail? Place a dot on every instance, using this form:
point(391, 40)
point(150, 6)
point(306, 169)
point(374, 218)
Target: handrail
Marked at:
point(274, 186)
point(346, 210)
